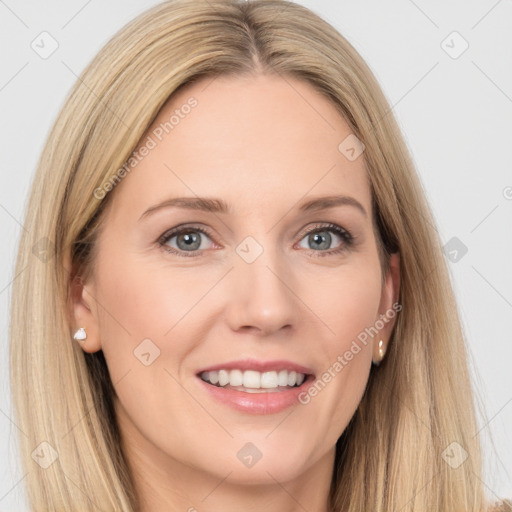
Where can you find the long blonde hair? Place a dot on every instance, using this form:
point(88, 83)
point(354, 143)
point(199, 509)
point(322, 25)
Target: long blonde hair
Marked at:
point(417, 403)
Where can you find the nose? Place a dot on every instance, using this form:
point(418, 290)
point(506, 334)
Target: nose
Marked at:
point(261, 297)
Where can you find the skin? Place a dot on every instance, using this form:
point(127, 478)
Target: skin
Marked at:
point(264, 145)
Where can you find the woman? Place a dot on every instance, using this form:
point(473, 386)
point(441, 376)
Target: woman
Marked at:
point(190, 343)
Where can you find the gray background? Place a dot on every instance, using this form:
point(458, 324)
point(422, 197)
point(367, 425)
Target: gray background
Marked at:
point(455, 114)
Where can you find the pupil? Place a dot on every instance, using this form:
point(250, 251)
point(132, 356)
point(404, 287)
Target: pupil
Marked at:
point(190, 240)
point(318, 238)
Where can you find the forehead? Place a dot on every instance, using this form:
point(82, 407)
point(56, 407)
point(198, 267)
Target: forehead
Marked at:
point(249, 139)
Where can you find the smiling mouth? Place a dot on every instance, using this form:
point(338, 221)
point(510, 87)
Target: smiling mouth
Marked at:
point(252, 381)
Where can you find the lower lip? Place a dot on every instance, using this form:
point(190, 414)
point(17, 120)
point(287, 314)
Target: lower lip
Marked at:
point(258, 403)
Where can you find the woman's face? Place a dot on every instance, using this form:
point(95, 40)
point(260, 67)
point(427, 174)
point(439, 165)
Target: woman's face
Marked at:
point(184, 287)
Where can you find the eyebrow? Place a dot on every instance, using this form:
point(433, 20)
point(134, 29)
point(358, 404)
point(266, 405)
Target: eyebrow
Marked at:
point(215, 205)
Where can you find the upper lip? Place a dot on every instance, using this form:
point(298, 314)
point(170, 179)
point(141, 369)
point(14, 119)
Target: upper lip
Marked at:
point(260, 366)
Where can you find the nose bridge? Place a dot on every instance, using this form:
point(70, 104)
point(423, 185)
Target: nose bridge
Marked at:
point(260, 295)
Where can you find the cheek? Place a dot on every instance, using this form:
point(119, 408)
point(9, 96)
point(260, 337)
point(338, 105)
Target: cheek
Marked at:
point(140, 300)
point(345, 301)
point(152, 318)
point(146, 314)
point(349, 307)
point(137, 307)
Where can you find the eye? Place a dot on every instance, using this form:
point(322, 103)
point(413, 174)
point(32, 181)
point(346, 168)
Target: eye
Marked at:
point(320, 238)
point(187, 240)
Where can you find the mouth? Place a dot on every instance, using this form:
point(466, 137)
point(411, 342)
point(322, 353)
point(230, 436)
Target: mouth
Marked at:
point(252, 381)
point(257, 392)
point(256, 387)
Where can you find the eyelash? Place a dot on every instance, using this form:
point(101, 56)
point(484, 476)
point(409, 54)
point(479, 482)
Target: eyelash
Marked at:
point(345, 235)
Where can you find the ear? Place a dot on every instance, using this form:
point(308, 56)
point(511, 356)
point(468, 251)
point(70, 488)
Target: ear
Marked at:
point(84, 313)
point(388, 313)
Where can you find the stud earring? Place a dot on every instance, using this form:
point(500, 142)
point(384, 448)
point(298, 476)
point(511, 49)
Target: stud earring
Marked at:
point(382, 352)
point(80, 335)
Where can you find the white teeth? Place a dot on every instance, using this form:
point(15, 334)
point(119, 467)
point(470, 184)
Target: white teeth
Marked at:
point(236, 378)
point(282, 379)
point(223, 377)
point(252, 380)
point(269, 380)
